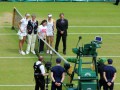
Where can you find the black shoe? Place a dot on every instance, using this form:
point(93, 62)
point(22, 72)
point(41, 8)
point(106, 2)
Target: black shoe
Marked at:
point(115, 4)
point(64, 52)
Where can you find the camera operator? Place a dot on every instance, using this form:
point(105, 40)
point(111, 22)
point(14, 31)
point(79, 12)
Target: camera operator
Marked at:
point(57, 75)
point(39, 74)
point(101, 66)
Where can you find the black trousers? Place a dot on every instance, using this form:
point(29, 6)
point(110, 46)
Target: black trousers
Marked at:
point(41, 45)
point(109, 87)
point(102, 83)
point(117, 2)
point(39, 83)
point(54, 87)
point(64, 37)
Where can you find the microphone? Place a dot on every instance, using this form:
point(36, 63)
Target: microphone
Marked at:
point(80, 37)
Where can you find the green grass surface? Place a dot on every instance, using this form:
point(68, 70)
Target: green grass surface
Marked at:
point(19, 71)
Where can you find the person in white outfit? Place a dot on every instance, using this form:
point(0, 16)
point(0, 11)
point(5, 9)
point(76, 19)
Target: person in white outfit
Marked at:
point(42, 35)
point(22, 32)
point(50, 32)
point(32, 34)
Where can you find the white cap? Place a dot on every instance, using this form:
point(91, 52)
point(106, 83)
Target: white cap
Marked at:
point(49, 15)
point(27, 14)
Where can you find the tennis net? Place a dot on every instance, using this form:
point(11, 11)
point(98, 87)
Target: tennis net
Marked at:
point(16, 18)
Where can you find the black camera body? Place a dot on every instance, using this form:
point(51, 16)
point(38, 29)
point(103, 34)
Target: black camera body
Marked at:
point(48, 65)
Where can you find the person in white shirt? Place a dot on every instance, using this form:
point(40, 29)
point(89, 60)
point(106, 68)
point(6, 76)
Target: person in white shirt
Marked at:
point(32, 34)
point(22, 32)
point(42, 35)
point(39, 74)
point(50, 32)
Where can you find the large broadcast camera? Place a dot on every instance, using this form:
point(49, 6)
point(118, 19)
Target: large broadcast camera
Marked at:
point(48, 67)
point(88, 49)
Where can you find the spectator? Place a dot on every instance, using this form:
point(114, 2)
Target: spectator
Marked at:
point(62, 26)
point(22, 32)
point(50, 32)
point(109, 75)
point(57, 75)
point(32, 34)
point(42, 35)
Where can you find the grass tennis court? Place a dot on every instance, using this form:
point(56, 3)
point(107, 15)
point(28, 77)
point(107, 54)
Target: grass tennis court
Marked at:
point(85, 19)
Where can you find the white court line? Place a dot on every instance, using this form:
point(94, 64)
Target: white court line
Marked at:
point(5, 26)
point(17, 85)
point(8, 34)
point(93, 33)
point(95, 26)
point(49, 57)
point(31, 85)
point(75, 26)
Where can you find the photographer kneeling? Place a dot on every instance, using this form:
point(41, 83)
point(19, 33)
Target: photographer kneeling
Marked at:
point(57, 75)
point(39, 73)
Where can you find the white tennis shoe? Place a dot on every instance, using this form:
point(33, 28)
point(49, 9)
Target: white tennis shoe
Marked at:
point(47, 52)
point(22, 52)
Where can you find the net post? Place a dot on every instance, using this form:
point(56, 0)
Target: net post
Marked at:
point(13, 18)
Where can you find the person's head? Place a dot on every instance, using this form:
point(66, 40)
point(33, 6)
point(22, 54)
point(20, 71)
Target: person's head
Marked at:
point(27, 15)
point(44, 23)
point(33, 17)
point(58, 60)
point(49, 16)
point(110, 61)
point(61, 15)
point(102, 60)
point(40, 58)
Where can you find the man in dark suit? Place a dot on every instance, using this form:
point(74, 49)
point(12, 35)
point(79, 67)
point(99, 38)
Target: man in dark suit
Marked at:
point(117, 2)
point(62, 26)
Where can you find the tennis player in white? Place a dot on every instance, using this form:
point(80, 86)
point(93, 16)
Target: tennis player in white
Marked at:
point(50, 32)
point(22, 32)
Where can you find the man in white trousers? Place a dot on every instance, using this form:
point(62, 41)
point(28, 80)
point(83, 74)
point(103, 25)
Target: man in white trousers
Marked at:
point(32, 34)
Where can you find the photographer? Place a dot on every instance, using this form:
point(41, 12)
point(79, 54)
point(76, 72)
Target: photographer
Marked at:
point(57, 75)
point(101, 66)
point(39, 73)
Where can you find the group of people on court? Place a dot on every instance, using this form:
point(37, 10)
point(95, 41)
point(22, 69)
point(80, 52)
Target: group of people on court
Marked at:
point(29, 27)
point(107, 74)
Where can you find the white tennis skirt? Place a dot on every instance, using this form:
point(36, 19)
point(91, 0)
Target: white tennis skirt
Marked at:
point(21, 33)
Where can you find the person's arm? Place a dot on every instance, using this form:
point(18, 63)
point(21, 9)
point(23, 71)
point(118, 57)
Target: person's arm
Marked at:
point(66, 24)
point(19, 24)
point(52, 77)
point(29, 27)
point(104, 75)
point(42, 68)
point(37, 23)
point(114, 78)
point(57, 26)
point(54, 25)
point(63, 77)
point(39, 31)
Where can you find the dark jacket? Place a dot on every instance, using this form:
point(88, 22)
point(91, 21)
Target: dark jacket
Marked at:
point(31, 27)
point(62, 26)
point(101, 67)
